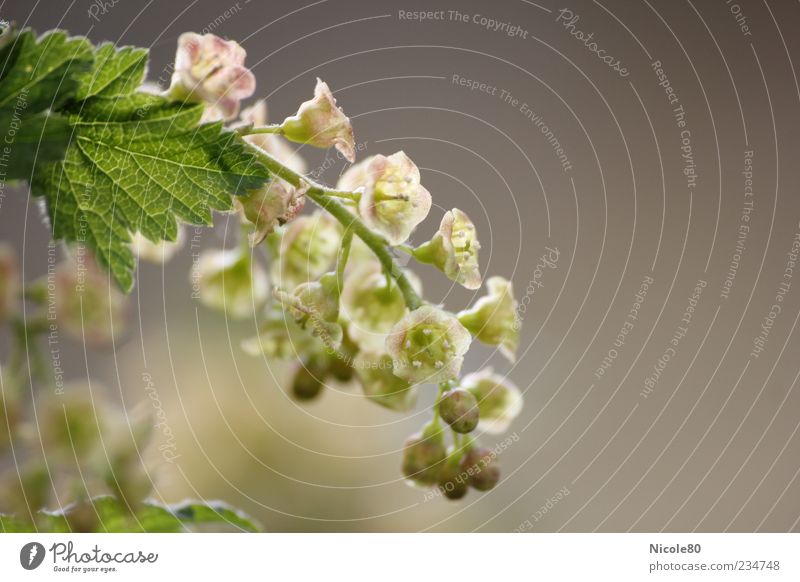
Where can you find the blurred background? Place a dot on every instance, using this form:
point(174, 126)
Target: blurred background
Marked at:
point(613, 135)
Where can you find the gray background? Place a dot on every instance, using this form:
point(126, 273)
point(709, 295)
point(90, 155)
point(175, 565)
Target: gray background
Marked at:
point(713, 447)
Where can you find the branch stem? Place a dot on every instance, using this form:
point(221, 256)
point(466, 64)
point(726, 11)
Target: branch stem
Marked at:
point(324, 198)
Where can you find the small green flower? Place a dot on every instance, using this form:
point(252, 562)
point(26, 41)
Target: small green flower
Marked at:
point(230, 281)
point(281, 337)
point(459, 409)
point(393, 202)
point(480, 466)
point(499, 400)
point(380, 385)
point(320, 123)
point(306, 249)
point(423, 456)
point(315, 306)
point(494, 319)
point(372, 304)
point(273, 205)
point(428, 345)
point(454, 250)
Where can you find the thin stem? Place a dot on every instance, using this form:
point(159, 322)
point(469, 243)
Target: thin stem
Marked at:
point(250, 130)
point(344, 254)
point(377, 244)
point(342, 194)
point(409, 250)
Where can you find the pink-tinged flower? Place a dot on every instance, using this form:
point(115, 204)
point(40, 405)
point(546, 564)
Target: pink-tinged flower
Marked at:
point(428, 345)
point(355, 176)
point(230, 281)
point(499, 399)
point(454, 250)
point(9, 280)
point(275, 204)
point(393, 202)
point(380, 385)
point(320, 123)
point(211, 69)
point(156, 252)
point(493, 319)
point(87, 305)
point(276, 146)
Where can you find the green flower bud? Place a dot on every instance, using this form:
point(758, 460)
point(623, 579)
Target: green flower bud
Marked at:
point(499, 400)
point(380, 385)
point(308, 381)
point(315, 306)
point(9, 280)
point(493, 319)
point(87, 305)
point(307, 248)
point(481, 468)
point(372, 305)
point(459, 409)
point(454, 250)
point(320, 123)
point(393, 202)
point(428, 345)
point(453, 482)
point(276, 146)
point(423, 456)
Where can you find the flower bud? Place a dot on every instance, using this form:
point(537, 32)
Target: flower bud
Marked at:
point(481, 468)
point(308, 380)
point(499, 400)
point(428, 345)
point(454, 250)
point(423, 456)
point(307, 248)
point(380, 385)
point(493, 319)
point(87, 305)
point(320, 123)
point(231, 282)
point(453, 482)
point(9, 280)
point(156, 252)
point(276, 146)
point(372, 305)
point(459, 409)
point(393, 202)
point(273, 205)
point(211, 70)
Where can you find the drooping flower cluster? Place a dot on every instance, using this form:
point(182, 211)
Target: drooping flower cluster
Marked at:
point(341, 307)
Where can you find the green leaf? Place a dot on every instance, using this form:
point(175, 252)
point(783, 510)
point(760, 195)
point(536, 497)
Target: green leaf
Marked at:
point(44, 73)
point(35, 75)
point(139, 162)
point(107, 514)
point(116, 71)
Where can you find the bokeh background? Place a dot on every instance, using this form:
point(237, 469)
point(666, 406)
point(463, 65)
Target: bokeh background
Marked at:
point(713, 446)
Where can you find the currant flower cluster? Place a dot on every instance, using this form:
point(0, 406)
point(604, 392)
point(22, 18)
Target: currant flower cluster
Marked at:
point(333, 297)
